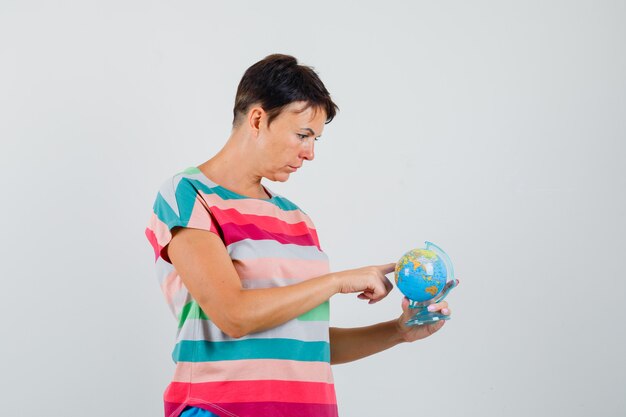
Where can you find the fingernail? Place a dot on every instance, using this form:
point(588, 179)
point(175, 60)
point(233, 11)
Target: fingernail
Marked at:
point(445, 311)
point(431, 307)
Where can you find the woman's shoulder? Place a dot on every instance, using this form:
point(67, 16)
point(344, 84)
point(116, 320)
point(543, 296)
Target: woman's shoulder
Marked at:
point(186, 182)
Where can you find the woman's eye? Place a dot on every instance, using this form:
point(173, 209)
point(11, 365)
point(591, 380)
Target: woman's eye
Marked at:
point(302, 136)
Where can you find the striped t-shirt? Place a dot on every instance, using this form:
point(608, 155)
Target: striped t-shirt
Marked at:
point(283, 371)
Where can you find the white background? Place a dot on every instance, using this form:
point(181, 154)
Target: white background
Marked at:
point(494, 129)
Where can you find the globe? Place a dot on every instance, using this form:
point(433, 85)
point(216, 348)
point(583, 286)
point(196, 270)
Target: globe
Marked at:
point(425, 276)
point(421, 274)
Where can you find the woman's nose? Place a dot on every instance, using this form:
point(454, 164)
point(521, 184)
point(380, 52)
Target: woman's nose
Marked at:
point(308, 152)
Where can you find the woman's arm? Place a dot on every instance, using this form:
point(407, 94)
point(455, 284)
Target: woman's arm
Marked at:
point(347, 345)
point(203, 263)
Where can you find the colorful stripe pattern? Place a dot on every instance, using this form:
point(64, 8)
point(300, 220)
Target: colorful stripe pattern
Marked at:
point(281, 372)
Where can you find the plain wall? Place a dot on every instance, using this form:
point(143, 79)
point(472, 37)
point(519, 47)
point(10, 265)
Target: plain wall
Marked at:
point(494, 129)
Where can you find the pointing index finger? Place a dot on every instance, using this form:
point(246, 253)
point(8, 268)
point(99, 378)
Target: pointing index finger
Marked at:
point(387, 268)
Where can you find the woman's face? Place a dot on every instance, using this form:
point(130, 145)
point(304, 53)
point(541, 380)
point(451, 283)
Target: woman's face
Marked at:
point(289, 140)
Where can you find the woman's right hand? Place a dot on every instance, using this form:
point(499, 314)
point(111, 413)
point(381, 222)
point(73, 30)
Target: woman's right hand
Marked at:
point(370, 282)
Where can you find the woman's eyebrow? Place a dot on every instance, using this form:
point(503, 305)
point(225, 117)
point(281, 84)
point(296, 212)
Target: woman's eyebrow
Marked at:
point(309, 129)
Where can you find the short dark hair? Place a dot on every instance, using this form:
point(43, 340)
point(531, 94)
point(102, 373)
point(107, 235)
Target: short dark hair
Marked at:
point(275, 82)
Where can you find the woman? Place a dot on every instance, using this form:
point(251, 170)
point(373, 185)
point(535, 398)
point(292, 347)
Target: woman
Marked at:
point(243, 271)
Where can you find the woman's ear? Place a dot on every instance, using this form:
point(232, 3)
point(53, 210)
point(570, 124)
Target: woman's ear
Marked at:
point(256, 116)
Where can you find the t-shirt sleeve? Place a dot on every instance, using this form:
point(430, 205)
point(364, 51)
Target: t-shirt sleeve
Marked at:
point(178, 204)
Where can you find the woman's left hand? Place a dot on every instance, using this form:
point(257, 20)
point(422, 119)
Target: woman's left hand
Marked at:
point(413, 333)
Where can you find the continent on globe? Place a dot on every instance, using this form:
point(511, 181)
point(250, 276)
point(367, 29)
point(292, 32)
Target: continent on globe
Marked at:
point(433, 290)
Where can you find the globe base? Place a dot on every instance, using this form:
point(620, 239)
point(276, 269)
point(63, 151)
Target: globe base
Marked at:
point(424, 316)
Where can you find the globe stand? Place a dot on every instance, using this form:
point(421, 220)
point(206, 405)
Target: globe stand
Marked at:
point(423, 316)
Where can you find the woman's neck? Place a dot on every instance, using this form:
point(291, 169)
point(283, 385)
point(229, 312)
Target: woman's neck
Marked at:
point(232, 169)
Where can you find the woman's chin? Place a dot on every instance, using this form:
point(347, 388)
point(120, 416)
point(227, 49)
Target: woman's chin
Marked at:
point(280, 176)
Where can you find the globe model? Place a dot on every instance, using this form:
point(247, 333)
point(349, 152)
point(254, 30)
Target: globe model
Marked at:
point(421, 274)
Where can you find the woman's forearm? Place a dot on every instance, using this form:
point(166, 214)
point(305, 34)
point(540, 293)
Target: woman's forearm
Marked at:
point(266, 308)
point(262, 309)
point(347, 345)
